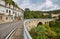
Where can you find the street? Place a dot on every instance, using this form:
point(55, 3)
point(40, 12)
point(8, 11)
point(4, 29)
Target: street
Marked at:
point(6, 28)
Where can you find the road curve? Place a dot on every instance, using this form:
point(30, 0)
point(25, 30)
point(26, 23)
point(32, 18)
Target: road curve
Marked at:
point(6, 28)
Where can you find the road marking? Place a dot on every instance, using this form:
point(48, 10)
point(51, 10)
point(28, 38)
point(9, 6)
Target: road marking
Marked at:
point(10, 33)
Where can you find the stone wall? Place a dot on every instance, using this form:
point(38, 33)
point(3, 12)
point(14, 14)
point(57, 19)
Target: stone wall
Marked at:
point(31, 23)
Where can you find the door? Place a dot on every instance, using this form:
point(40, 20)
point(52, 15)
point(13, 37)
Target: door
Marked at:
point(0, 17)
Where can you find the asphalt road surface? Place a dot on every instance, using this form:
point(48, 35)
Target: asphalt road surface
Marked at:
point(6, 28)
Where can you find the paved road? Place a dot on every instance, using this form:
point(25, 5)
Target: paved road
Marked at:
point(6, 28)
point(18, 33)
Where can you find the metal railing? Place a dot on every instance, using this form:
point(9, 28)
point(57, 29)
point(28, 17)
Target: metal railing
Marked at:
point(26, 33)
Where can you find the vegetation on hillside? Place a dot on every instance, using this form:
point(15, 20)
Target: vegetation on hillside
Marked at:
point(42, 32)
point(38, 14)
point(53, 11)
point(47, 32)
point(34, 14)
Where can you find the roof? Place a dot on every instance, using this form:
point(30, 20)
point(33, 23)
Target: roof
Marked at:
point(13, 3)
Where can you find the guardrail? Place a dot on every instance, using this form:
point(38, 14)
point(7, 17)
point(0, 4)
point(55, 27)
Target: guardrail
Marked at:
point(26, 33)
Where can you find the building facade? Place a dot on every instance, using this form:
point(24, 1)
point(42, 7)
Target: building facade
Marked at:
point(55, 15)
point(10, 11)
point(45, 14)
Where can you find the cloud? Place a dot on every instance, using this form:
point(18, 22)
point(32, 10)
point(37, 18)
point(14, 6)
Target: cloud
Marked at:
point(38, 4)
point(49, 5)
point(37, 1)
point(31, 6)
point(56, 2)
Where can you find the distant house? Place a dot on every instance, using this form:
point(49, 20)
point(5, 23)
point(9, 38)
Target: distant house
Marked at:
point(45, 13)
point(55, 15)
point(9, 11)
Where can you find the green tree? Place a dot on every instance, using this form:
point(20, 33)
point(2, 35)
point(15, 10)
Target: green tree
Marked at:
point(39, 32)
point(59, 17)
point(27, 10)
point(52, 24)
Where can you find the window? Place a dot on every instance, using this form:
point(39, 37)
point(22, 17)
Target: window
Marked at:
point(6, 18)
point(0, 17)
point(9, 12)
point(6, 11)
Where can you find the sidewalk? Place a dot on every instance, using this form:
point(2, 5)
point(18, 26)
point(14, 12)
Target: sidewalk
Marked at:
point(2, 22)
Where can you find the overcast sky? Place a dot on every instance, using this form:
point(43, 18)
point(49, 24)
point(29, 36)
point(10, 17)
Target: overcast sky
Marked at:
point(39, 4)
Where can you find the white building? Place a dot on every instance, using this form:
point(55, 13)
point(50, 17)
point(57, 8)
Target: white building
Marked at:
point(55, 15)
point(9, 11)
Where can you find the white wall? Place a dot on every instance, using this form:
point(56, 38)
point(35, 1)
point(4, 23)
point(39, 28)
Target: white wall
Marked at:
point(2, 9)
point(11, 6)
point(2, 2)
